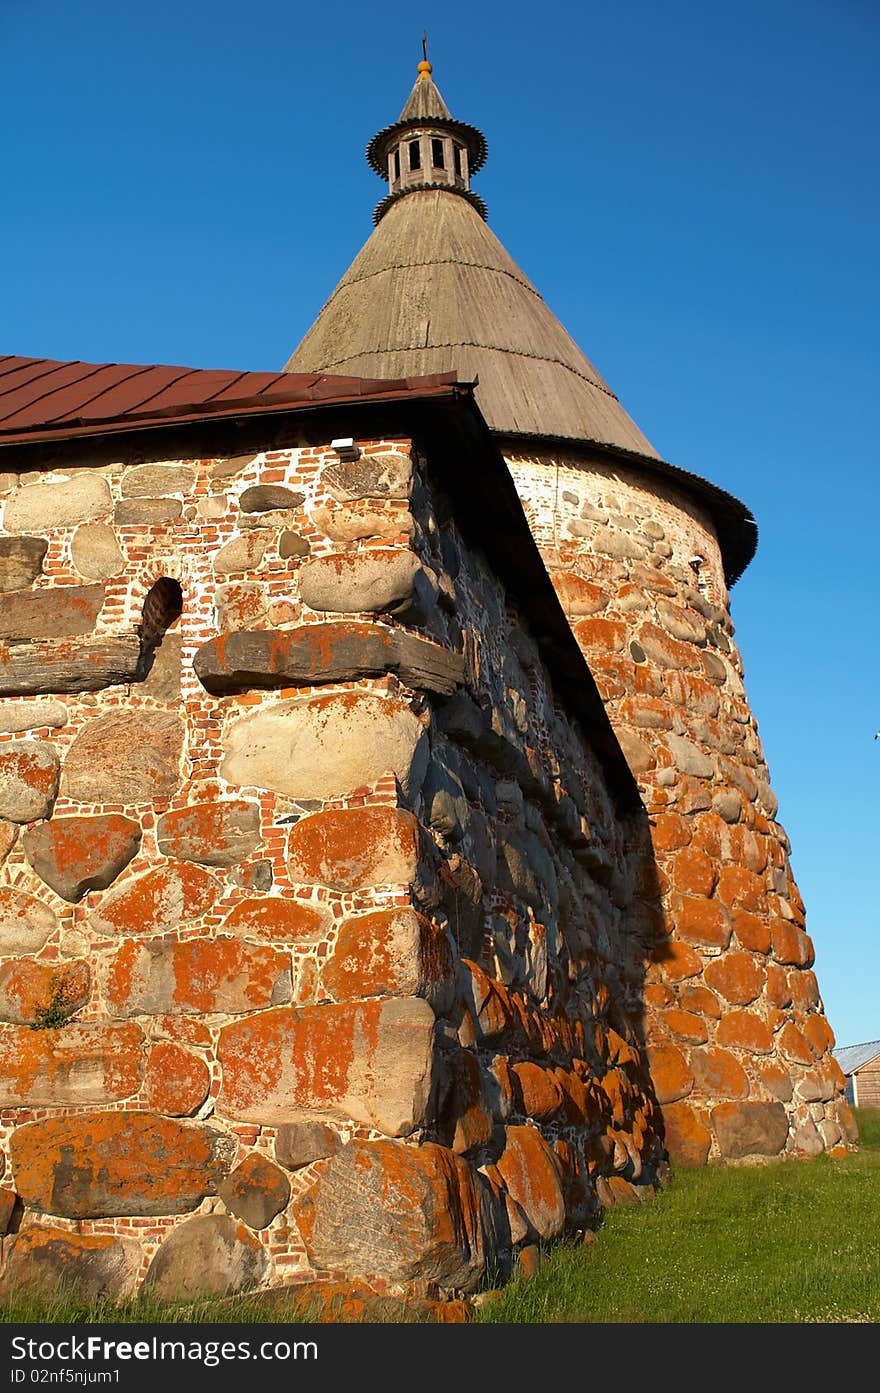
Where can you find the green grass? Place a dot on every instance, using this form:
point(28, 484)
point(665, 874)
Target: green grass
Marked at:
point(784, 1242)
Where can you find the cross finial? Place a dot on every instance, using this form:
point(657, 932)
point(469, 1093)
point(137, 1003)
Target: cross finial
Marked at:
point(425, 68)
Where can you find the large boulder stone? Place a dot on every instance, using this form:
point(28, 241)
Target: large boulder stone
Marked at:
point(317, 654)
point(327, 746)
point(80, 1065)
point(158, 901)
point(688, 758)
point(718, 1073)
point(687, 1139)
point(368, 1061)
point(152, 480)
point(214, 834)
point(160, 675)
point(386, 476)
point(351, 848)
point(95, 551)
point(89, 665)
point(670, 1073)
point(53, 504)
point(265, 498)
point(375, 581)
point(146, 512)
point(21, 561)
point(97, 1165)
point(63, 612)
point(531, 1173)
point(78, 854)
point(256, 1191)
point(210, 1255)
point(736, 976)
point(750, 1129)
point(125, 757)
point(177, 1080)
point(242, 553)
point(26, 924)
point(28, 780)
point(42, 993)
point(277, 919)
point(298, 1144)
point(405, 1213)
point(166, 977)
point(43, 1261)
point(351, 522)
point(390, 952)
point(17, 716)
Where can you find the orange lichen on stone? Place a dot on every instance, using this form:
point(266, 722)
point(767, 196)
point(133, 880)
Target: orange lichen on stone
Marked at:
point(391, 952)
point(531, 1173)
point(687, 1138)
point(367, 1060)
point(350, 848)
point(737, 976)
point(157, 902)
point(177, 1080)
point(804, 990)
point(686, 1025)
point(818, 1034)
point(670, 831)
point(702, 921)
point(701, 1001)
point(610, 634)
point(101, 1164)
point(670, 1073)
point(34, 992)
point(751, 932)
point(77, 854)
point(77, 1064)
point(777, 988)
point(793, 1045)
point(693, 872)
point(744, 1030)
point(539, 1091)
point(775, 1078)
point(677, 960)
point(791, 946)
point(413, 1212)
point(718, 1074)
point(167, 977)
point(739, 888)
point(278, 919)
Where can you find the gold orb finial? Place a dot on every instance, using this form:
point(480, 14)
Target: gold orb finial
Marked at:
point(425, 69)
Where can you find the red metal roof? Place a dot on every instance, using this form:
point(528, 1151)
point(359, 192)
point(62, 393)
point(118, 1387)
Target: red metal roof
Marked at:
point(41, 398)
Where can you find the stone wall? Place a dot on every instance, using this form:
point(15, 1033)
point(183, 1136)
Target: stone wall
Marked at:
point(740, 1046)
point(321, 939)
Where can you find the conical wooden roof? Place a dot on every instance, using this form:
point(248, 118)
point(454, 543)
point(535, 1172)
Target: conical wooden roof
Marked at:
point(433, 290)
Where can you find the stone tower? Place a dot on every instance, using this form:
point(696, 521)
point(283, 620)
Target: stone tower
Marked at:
point(642, 554)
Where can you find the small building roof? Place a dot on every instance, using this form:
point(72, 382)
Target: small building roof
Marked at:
point(853, 1057)
point(42, 398)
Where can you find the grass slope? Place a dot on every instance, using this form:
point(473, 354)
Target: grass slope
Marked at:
point(783, 1242)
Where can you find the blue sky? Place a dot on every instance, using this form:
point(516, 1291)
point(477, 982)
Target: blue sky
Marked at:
point(693, 189)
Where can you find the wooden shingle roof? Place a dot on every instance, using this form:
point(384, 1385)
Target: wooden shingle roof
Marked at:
point(433, 290)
